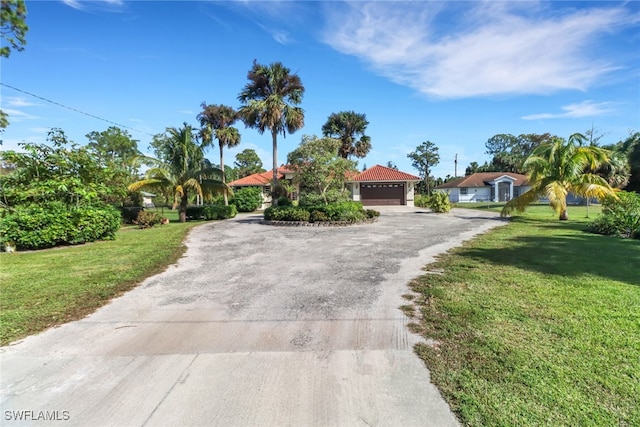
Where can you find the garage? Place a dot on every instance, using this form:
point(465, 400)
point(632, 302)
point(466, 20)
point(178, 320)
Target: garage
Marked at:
point(380, 194)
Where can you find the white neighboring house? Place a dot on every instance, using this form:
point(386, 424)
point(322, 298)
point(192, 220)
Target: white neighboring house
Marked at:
point(147, 199)
point(486, 186)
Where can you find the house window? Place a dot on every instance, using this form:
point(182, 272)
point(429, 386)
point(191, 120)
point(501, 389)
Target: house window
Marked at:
point(516, 191)
point(463, 191)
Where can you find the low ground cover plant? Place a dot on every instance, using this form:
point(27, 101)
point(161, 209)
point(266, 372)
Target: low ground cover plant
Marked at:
point(523, 329)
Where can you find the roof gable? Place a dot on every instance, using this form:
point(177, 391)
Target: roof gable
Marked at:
point(258, 179)
point(382, 173)
point(483, 179)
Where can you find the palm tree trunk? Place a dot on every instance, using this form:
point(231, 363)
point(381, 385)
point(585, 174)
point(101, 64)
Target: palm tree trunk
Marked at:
point(274, 136)
point(226, 198)
point(183, 207)
point(563, 215)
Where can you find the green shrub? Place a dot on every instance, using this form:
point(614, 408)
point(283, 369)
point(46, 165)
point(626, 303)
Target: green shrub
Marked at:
point(52, 224)
point(332, 196)
point(286, 213)
point(284, 201)
point(318, 216)
point(211, 212)
point(247, 199)
point(421, 201)
point(439, 202)
point(372, 213)
point(619, 218)
point(130, 213)
point(147, 219)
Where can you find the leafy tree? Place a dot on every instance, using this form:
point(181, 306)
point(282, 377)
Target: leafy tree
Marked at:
point(559, 167)
point(346, 126)
point(392, 165)
point(270, 101)
point(248, 162)
point(510, 152)
point(13, 30)
point(216, 121)
point(60, 172)
point(632, 147)
point(423, 159)
point(115, 149)
point(318, 165)
point(180, 166)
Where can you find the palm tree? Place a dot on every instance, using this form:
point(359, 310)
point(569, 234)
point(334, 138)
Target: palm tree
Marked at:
point(216, 121)
point(270, 100)
point(559, 167)
point(182, 167)
point(345, 126)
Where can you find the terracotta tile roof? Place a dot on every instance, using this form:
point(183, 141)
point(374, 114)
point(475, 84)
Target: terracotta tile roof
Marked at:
point(382, 173)
point(259, 179)
point(482, 179)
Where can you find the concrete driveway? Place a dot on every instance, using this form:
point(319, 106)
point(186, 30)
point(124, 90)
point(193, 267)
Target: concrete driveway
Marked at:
point(256, 325)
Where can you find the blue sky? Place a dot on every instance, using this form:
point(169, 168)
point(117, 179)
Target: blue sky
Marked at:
point(454, 73)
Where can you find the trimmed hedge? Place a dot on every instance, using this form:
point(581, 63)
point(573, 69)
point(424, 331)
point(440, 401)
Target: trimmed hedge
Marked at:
point(349, 212)
point(211, 212)
point(54, 224)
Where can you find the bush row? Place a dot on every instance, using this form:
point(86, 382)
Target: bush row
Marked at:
point(52, 224)
point(210, 212)
point(336, 212)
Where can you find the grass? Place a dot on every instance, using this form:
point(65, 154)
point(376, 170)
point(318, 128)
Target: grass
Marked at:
point(536, 323)
point(40, 289)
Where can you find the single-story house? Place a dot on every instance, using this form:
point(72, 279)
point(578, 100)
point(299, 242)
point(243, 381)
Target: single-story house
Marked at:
point(485, 186)
point(378, 185)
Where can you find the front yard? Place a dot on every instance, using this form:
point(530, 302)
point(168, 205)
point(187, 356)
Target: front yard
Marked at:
point(536, 323)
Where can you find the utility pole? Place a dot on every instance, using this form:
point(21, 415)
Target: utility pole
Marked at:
point(455, 162)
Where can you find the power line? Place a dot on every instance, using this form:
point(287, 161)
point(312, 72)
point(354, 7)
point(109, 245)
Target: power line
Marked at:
point(74, 109)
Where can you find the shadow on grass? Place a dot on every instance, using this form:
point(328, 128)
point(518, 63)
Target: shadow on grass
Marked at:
point(564, 249)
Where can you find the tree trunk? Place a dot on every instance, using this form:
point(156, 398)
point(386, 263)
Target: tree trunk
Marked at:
point(274, 136)
point(226, 198)
point(183, 208)
point(563, 215)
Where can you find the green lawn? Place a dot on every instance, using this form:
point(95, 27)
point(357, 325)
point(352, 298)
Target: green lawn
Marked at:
point(535, 323)
point(43, 288)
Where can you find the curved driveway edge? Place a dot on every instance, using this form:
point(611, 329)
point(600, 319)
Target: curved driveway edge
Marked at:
point(255, 325)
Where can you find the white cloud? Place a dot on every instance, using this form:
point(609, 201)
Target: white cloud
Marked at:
point(18, 101)
point(583, 109)
point(280, 36)
point(453, 51)
point(84, 4)
point(17, 115)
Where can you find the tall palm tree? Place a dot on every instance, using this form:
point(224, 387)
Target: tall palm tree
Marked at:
point(345, 126)
point(270, 101)
point(182, 167)
point(559, 167)
point(216, 121)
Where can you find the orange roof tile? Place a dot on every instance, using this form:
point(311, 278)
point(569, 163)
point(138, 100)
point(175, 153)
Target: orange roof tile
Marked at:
point(259, 179)
point(382, 173)
point(482, 179)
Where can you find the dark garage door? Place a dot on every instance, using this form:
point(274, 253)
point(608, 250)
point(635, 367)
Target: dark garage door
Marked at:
point(377, 194)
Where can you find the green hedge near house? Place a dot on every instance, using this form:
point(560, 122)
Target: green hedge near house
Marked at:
point(53, 224)
point(211, 212)
point(349, 212)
